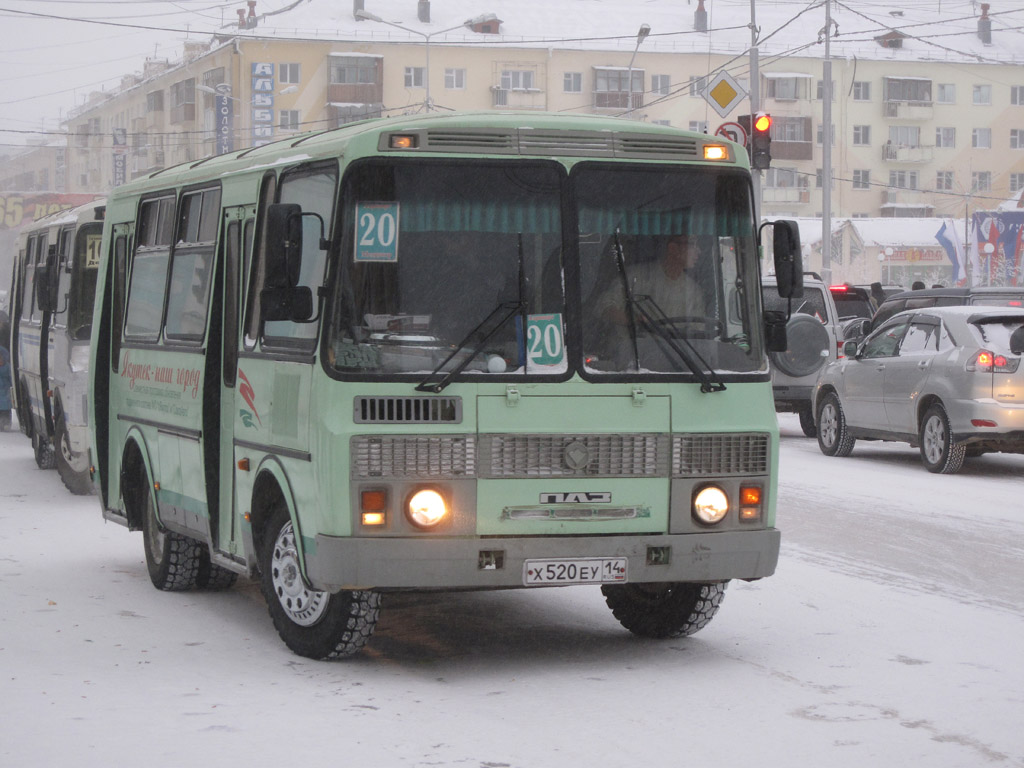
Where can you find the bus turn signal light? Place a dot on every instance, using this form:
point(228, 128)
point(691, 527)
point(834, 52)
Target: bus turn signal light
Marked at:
point(715, 152)
point(403, 141)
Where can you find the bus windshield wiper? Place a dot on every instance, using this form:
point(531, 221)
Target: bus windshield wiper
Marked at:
point(658, 322)
point(483, 331)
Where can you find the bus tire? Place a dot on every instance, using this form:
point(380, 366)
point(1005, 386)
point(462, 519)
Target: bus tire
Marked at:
point(660, 611)
point(79, 483)
point(44, 453)
point(171, 558)
point(212, 576)
point(317, 625)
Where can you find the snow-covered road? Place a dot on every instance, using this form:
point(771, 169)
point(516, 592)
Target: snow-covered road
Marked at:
point(888, 637)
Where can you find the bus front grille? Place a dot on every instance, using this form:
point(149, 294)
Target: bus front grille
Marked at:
point(425, 457)
point(719, 454)
point(616, 455)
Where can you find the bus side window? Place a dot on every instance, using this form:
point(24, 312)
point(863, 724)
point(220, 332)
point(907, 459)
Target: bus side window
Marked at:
point(120, 271)
point(253, 312)
point(148, 280)
point(192, 265)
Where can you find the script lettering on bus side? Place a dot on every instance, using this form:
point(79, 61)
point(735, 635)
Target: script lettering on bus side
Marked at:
point(186, 378)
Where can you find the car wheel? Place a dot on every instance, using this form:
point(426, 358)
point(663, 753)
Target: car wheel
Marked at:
point(664, 610)
point(315, 624)
point(807, 421)
point(938, 451)
point(833, 435)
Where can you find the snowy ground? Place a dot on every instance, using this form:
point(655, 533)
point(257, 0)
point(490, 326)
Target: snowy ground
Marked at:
point(890, 636)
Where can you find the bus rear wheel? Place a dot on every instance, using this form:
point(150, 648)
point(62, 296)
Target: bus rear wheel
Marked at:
point(314, 624)
point(171, 558)
point(75, 480)
point(664, 610)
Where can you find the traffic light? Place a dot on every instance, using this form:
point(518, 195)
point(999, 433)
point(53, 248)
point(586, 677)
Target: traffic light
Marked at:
point(761, 141)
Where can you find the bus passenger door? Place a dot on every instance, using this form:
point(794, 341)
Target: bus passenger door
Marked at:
point(237, 238)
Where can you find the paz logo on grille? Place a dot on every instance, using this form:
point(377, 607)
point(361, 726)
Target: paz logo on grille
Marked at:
point(576, 455)
point(577, 497)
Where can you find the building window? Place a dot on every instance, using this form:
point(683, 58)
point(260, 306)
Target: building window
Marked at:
point(981, 95)
point(517, 79)
point(415, 77)
point(897, 89)
point(1016, 182)
point(700, 126)
point(861, 90)
point(183, 100)
point(353, 70)
point(289, 120)
point(905, 135)
point(785, 178)
point(791, 129)
point(1016, 138)
point(1017, 95)
point(944, 181)
point(660, 84)
point(288, 73)
point(946, 93)
point(155, 101)
point(862, 135)
point(903, 179)
point(697, 86)
point(981, 138)
point(820, 133)
point(819, 177)
point(661, 122)
point(945, 137)
point(455, 79)
point(611, 90)
point(981, 181)
point(821, 90)
point(861, 179)
point(786, 88)
point(572, 82)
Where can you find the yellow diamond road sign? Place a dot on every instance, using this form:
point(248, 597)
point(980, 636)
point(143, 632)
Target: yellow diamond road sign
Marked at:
point(723, 93)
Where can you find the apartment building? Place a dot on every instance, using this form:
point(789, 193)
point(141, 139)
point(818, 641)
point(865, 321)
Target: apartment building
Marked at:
point(927, 112)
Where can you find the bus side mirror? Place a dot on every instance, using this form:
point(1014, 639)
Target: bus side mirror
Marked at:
point(287, 303)
point(284, 244)
point(775, 331)
point(789, 268)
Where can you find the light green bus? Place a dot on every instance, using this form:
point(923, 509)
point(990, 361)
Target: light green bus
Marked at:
point(443, 352)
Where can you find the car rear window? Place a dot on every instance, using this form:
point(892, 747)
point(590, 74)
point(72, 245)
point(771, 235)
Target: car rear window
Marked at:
point(996, 332)
point(850, 304)
point(812, 303)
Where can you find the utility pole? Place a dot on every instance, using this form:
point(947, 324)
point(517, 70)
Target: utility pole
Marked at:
point(826, 148)
point(755, 105)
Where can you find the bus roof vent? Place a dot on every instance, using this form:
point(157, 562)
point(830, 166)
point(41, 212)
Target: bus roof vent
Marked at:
point(639, 145)
point(407, 410)
point(471, 141)
point(535, 142)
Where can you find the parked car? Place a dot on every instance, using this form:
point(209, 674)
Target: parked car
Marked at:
point(948, 380)
point(814, 337)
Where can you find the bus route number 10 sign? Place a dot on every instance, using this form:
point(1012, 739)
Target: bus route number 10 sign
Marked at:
point(376, 232)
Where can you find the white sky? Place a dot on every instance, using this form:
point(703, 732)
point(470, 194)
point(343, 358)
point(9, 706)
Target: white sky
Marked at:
point(51, 65)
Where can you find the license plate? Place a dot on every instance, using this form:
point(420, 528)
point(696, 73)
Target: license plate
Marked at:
point(584, 570)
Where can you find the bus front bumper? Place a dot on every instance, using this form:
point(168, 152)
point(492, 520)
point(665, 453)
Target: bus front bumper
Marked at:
point(450, 563)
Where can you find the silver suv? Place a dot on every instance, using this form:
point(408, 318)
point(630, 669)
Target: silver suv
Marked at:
point(814, 337)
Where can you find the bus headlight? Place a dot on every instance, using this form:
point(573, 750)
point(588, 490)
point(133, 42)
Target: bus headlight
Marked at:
point(426, 508)
point(710, 504)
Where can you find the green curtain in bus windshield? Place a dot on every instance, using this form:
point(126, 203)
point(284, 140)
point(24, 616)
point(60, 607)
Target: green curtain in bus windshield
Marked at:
point(439, 254)
point(668, 270)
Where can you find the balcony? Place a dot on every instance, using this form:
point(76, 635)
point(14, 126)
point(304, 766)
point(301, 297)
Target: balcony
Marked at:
point(785, 195)
point(517, 98)
point(792, 150)
point(909, 110)
point(355, 93)
point(900, 154)
point(899, 198)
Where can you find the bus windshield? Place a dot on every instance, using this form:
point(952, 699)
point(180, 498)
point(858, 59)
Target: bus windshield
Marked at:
point(450, 264)
point(455, 268)
point(668, 270)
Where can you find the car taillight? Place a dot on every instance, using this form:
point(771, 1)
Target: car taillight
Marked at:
point(839, 349)
point(993, 362)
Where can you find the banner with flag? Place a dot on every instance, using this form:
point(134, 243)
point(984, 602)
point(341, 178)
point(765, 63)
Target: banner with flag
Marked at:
point(954, 250)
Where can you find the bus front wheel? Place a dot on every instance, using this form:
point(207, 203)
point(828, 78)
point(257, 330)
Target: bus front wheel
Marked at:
point(70, 465)
point(314, 624)
point(664, 610)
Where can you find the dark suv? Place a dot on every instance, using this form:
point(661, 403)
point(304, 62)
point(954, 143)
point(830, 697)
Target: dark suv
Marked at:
point(945, 297)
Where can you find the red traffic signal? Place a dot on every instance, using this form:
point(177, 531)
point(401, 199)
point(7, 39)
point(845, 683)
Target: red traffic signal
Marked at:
point(763, 122)
point(759, 138)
